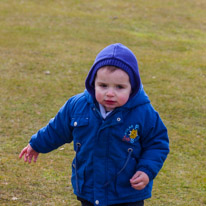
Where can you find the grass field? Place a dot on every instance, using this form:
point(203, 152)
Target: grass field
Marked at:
point(46, 50)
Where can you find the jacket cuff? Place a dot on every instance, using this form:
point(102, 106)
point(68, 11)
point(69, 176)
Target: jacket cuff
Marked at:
point(146, 170)
point(33, 146)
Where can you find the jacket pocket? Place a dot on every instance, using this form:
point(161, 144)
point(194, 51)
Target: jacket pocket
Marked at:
point(123, 186)
point(78, 176)
point(79, 121)
point(80, 126)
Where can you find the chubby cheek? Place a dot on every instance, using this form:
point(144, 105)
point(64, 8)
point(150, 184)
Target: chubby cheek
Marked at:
point(99, 97)
point(123, 100)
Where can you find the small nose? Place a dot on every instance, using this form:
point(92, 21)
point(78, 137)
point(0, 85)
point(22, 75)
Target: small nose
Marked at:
point(110, 92)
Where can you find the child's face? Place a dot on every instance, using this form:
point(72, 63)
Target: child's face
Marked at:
point(112, 87)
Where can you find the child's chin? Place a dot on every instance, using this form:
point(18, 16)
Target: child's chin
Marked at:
point(108, 109)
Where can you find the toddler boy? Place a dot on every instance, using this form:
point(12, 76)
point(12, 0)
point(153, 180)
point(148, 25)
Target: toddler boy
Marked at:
point(120, 141)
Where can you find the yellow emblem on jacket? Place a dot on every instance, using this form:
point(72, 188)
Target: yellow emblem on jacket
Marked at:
point(133, 134)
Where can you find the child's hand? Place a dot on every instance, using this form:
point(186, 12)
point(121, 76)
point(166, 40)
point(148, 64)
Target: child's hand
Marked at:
point(28, 152)
point(139, 181)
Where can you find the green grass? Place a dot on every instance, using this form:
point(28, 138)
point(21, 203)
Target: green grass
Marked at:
point(63, 37)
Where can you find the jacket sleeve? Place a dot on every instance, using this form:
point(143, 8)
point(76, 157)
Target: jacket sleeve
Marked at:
point(155, 144)
point(55, 134)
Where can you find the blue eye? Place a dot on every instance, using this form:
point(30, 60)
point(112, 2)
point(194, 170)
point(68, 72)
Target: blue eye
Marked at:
point(120, 87)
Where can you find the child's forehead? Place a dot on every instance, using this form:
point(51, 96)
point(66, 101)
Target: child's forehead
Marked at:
point(109, 69)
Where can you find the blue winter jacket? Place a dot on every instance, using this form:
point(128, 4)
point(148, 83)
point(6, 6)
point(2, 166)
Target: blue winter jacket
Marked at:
point(108, 151)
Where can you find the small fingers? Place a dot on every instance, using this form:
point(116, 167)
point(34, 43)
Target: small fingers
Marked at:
point(28, 154)
point(138, 186)
point(139, 180)
point(25, 157)
point(35, 158)
point(136, 180)
point(22, 152)
point(135, 176)
point(30, 158)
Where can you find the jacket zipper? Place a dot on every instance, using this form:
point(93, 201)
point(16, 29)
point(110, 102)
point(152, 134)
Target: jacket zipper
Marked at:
point(130, 150)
